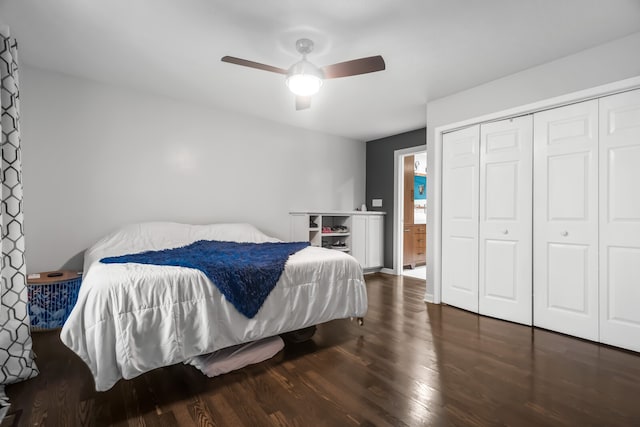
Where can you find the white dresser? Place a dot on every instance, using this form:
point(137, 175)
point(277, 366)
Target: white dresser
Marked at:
point(357, 233)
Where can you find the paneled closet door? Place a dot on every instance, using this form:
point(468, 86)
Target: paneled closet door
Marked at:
point(565, 224)
point(460, 189)
point(620, 220)
point(505, 279)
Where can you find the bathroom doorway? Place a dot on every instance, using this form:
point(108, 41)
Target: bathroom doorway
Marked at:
point(411, 230)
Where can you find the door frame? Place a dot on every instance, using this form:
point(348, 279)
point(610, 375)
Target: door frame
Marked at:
point(398, 202)
point(434, 152)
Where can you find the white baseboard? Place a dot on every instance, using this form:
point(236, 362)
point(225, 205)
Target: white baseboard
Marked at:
point(388, 271)
point(428, 298)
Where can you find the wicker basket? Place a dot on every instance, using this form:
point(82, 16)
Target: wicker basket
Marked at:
point(51, 298)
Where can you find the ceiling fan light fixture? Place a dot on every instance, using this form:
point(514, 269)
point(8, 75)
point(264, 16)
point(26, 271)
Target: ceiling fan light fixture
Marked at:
point(304, 84)
point(304, 79)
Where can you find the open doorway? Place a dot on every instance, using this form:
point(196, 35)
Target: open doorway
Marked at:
point(411, 206)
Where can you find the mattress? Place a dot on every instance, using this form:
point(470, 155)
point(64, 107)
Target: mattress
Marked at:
point(132, 318)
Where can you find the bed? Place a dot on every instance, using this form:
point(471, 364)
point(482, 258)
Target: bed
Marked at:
point(132, 318)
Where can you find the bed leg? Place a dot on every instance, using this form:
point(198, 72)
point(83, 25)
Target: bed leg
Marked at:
point(360, 321)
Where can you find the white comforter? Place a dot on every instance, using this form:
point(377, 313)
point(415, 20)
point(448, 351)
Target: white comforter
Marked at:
point(132, 318)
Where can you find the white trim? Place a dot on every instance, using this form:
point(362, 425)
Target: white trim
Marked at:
point(388, 271)
point(547, 104)
point(435, 194)
point(398, 166)
point(428, 298)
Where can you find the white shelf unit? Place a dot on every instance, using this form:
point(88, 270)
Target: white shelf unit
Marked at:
point(362, 236)
point(317, 236)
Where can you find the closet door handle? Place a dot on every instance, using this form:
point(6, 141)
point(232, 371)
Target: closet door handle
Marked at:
point(564, 233)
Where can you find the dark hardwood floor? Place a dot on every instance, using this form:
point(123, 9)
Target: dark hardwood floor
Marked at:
point(411, 364)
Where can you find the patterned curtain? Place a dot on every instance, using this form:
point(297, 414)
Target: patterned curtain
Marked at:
point(16, 359)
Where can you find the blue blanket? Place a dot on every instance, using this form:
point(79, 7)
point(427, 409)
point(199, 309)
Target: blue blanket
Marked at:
point(245, 273)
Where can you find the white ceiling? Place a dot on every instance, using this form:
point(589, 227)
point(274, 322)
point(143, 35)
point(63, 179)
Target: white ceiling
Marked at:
point(432, 48)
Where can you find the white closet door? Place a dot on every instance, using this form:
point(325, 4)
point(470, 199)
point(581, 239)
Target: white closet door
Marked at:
point(460, 189)
point(565, 230)
point(505, 279)
point(620, 220)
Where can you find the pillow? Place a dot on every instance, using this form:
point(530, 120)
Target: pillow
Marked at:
point(149, 236)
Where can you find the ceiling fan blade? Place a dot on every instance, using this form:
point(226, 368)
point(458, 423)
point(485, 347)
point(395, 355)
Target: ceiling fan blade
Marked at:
point(354, 67)
point(252, 64)
point(303, 102)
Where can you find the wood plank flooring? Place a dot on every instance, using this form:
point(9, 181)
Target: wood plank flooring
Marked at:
point(411, 364)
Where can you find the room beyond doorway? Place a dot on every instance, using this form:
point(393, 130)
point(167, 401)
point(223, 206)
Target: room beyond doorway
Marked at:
point(411, 203)
point(419, 272)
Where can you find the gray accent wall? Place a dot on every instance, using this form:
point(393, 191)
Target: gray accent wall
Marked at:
point(380, 185)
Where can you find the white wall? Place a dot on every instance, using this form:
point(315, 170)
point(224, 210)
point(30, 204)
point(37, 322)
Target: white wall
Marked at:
point(96, 157)
point(602, 64)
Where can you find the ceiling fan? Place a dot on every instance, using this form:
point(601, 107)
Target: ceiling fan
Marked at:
point(304, 79)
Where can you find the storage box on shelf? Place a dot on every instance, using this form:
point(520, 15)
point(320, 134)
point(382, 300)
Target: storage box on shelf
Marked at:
point(354, 232)
point(52, 295)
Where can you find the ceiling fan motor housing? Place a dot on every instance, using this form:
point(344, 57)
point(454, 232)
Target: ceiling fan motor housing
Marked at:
point(305, 67)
